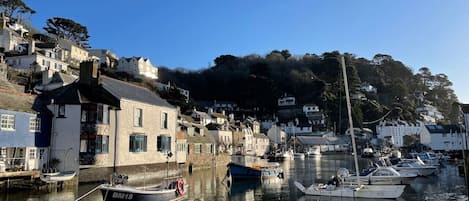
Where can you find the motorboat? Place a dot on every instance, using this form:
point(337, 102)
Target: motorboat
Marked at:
point(414, 167)
point(383, 175)
point(300, 156)
point(314, 151)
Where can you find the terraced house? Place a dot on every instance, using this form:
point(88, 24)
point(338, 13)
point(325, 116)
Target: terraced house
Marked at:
point(102, 124)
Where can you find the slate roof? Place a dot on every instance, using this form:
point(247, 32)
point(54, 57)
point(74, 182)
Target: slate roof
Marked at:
point(14, 100)
point(438, 129)
point(121, 89)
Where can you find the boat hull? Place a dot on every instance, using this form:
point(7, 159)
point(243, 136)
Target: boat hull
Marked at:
point(367, 191)
point(377, 180)
point(124, 193)
point(239, 172)
point(427, 171)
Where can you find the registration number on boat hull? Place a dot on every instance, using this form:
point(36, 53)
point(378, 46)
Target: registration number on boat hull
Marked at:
point(123, 196)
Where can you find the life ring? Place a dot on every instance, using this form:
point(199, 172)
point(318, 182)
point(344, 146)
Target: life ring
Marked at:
point(180, 187)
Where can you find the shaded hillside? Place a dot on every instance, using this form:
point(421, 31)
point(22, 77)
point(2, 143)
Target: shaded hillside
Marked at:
point(256, 82)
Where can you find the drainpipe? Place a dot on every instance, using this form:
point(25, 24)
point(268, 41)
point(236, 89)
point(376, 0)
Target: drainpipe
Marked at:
point(116, 127)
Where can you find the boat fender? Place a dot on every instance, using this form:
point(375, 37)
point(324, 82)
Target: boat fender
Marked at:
point(180, 187)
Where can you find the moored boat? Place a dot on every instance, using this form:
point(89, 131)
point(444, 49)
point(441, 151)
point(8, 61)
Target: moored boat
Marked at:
point(383, 176)
point(57, 176)
point(362, 191)
point(174, 190)
point(265, 171)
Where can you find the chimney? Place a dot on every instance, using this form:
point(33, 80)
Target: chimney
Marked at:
point(32, 47)
point(89, 74)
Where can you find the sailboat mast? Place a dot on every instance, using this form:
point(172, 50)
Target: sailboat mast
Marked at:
point(349, 110)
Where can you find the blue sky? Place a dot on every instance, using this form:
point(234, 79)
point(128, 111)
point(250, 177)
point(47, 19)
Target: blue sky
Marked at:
point(191, 34)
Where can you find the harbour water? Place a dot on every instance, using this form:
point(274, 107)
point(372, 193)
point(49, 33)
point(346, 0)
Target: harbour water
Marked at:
point(209, 184)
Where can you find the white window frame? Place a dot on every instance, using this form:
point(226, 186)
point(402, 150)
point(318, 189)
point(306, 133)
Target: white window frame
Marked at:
point(138, 117)
point(32, 153)
point(34, 124)
point(7, 122)
point(164, 120)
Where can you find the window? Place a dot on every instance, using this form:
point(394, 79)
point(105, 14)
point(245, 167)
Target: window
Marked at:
point(34, 124)
point(32, 154)
point(61, 111)
point(138, 117)
point(83, 146)
point(208, 148)
point(164, 120)
point(102, 144)
point(138, 143)
point(3, 152)
point(41, 154)
point(198, 148)
point(8, 122)
point(163, 143)
point(103, 114)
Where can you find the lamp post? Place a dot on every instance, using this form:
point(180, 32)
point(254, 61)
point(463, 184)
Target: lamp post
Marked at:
point(168, 155)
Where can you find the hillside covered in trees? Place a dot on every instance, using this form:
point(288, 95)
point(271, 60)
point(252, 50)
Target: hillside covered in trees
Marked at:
point(255, 81)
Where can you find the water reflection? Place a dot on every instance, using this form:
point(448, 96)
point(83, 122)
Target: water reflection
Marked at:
point(209, 184)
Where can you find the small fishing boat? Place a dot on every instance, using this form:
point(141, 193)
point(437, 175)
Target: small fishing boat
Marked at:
point(174, 190)
point(265, 171)
point(57, 176)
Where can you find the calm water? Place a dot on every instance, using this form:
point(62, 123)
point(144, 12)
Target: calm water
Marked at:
point(210, 185)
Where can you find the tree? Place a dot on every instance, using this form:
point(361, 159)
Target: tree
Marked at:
point(68, 29)
point(14, 8)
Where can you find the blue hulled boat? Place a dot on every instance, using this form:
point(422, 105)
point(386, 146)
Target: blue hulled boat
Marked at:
point(254, 170)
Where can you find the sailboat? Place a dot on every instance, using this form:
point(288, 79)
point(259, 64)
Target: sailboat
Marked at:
point(356, 190)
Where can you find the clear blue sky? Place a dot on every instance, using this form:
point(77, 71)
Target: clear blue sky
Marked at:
point(191, 34)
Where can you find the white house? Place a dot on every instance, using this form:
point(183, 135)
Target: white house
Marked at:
point(394, 131)
point(138, 66)
point(203, 118)
point(11, 38)
point(277, 135)
point(39, 57)
point(429, 113)
point(261, 144)
point(100, 122)
point(446, 137)
point(286, 100)
point(106, 57)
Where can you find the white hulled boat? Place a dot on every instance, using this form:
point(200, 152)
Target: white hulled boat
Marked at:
point(355, 190)
point(383, 176)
